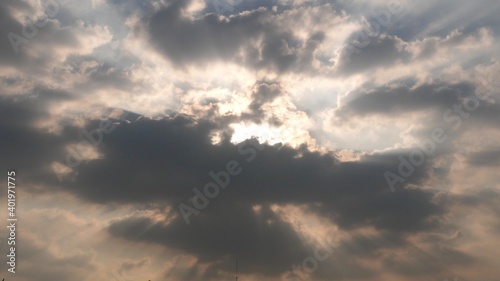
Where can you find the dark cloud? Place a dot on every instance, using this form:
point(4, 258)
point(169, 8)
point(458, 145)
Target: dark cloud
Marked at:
point(400, 98)
point(263, 93)
point(453, 108)
point(23, 145)
point(29, 45)
point(485, 158)
point(364, 53)
point(262, 242)
point(163, 160)
point(263, 43)
point(10, 24)
point(485, 197)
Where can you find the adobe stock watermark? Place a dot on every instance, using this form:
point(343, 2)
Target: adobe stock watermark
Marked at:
point(453, 116)
point(93, 137)
point(30, 28)
point(310, 264)
point(372, 28)
point(220, 180)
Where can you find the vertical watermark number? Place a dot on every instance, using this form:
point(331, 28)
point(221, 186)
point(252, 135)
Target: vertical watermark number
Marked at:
point(11, 220)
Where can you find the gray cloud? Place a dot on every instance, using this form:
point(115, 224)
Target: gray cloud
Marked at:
point(401, 98)
point(27, 45)
point(263, 93)
point(363, 53)
point(263, 42)
point(28, 147)
point(162, 160)
point(485, 158)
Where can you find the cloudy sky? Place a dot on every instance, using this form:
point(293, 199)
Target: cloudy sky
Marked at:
point(309, 140)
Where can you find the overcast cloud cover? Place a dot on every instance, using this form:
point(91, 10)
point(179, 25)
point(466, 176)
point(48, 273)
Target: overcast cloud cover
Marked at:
point(367, 129)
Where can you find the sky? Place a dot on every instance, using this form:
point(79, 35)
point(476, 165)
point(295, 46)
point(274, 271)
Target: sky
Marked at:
point(306, 140)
